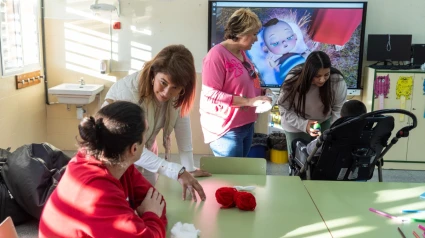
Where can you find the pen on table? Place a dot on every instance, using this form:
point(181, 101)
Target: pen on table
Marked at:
point(416, 234)
point(421, 227)
point(385, 214)
point(401, 232)
point(417, 220)
point(412, 211)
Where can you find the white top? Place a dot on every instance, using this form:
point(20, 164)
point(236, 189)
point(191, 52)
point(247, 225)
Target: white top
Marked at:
point(126, 89)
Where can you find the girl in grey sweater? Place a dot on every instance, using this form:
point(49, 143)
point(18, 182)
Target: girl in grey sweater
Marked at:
point(311, 93)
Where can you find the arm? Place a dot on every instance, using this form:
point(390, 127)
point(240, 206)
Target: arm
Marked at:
point(290, 117)
point(183, 135)
point(155, 164)
point(213, 79)
point(293, 119)
point(113, 208)
point(140, 189)
point(340, 92)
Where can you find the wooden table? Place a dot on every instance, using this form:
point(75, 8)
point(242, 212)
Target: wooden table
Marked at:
point(344, 206)
point(284, 208)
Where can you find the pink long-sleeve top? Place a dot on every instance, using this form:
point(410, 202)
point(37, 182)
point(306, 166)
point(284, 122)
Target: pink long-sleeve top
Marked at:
point(224, 76)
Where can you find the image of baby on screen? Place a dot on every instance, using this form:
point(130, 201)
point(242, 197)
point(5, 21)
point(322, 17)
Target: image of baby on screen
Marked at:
point(284, 45)
point(280, 47)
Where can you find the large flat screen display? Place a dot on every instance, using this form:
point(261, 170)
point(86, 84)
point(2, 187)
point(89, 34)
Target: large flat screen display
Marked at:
point(292, 30)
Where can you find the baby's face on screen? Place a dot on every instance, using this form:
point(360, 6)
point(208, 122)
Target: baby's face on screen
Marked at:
point(280, 38)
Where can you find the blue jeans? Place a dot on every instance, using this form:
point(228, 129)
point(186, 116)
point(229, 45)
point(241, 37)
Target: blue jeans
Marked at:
point(235, 143)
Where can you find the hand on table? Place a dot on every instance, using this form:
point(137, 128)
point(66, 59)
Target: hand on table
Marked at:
point(152, 203)
point(189, 182)
point(200, 173)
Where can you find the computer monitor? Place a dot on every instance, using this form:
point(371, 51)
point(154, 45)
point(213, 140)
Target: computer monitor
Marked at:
point(418, 53)
point(389, 47)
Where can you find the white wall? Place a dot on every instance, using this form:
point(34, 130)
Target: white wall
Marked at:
point(157, 23)
point(150, 25)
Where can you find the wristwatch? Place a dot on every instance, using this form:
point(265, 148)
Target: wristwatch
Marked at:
point(182, 170)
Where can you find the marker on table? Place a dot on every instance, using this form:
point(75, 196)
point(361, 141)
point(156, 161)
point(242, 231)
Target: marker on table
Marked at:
point(387, 215)
point(401, 232)
point(417, 219)
point(412, 211)
point(416, 234)
point(421, 227)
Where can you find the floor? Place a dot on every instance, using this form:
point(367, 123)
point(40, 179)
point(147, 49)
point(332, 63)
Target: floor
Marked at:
point(29, 230)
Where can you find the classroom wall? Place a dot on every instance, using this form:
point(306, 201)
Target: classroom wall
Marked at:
point(22, 114)
point(77, 39)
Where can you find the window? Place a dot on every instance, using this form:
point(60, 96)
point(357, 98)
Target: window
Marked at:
point(19, 36)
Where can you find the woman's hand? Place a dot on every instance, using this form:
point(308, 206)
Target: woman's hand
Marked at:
point(257, 101)
point(189, 182)
point(152, 203)
point(200, 173)
point(312, 132)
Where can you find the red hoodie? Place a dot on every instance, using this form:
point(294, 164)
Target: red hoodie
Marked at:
point(90, 202)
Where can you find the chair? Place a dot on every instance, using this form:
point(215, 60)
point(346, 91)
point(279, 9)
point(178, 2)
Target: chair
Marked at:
point(351, 148)
point(7, 229)
point(234, 165)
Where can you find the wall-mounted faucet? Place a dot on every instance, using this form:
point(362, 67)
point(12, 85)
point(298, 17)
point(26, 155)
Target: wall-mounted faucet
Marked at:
point(82, 82)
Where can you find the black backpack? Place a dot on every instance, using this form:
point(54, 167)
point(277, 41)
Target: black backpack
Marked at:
point(9, 206)
point(32, 172)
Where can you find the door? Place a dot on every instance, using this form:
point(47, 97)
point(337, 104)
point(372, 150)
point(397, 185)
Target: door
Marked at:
point(399, 151)
point(416, 144)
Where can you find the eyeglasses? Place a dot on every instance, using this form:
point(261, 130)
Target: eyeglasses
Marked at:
point(248, 67)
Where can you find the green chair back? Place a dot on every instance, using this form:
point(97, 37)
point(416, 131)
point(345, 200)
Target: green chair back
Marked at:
point(234, 165)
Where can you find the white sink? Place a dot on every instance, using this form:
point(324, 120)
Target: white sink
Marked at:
point(71, 93)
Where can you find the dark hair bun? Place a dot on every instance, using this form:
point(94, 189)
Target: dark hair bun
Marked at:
point(114, 128)
point(91, 131)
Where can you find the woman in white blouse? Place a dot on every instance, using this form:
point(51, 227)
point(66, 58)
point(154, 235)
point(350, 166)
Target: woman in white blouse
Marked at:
point(165, 89)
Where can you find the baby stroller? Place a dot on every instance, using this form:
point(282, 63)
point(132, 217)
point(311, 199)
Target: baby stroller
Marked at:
point(351, 148)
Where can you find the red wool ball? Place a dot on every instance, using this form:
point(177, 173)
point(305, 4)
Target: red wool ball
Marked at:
point(225, 196)
point(245, 201)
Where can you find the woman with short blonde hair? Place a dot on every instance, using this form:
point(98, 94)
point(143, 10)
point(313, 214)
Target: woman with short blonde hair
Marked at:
point(231, 88)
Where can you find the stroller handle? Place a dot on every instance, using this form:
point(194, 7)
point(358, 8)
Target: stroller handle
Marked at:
point(403, 132)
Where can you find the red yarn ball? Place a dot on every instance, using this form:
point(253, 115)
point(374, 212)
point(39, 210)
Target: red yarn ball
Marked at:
point(225, 196)
point(245, 201)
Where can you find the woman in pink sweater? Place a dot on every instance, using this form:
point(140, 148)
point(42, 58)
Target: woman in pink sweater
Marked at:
point(231, 88)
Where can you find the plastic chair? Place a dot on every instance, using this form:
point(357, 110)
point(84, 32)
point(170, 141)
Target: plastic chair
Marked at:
point(7, 229)
point(234, 165)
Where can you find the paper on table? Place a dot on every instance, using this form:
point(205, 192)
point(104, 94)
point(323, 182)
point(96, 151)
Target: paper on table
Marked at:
point(184, 230)
point(244, 188)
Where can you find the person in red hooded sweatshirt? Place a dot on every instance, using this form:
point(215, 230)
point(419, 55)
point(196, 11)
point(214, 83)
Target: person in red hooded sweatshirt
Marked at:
point(101, 193)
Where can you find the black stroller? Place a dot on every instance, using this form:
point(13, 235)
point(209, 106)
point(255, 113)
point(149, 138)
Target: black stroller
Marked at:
point(351, 148)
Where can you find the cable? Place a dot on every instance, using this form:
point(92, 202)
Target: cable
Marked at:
point(389, 43)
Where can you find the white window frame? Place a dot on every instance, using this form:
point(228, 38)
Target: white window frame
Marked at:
point(25, 67)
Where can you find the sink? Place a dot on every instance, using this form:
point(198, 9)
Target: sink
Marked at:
point(70, 93)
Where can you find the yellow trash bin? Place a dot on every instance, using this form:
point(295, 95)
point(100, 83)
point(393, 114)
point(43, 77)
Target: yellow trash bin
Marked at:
point(279, 156)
